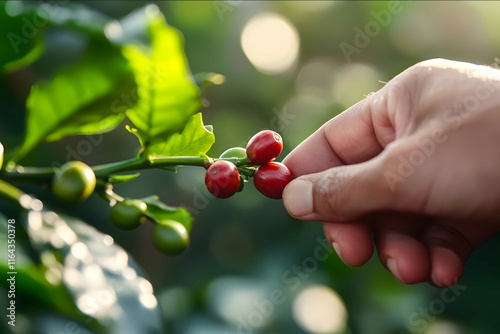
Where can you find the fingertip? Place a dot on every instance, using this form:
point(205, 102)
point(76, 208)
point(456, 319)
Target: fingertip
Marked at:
point(351, 240)
point(448, 249)
point(406, 258)
point(359, 258)
point(298, 198)
point(413, 268)
point(447, 267)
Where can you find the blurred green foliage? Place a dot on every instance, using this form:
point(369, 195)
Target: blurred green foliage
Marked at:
point(242, 247)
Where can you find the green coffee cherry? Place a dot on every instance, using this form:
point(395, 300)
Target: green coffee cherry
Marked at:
point(128, 214)
point(171, 237)
point(74, 181)
point(234, 152)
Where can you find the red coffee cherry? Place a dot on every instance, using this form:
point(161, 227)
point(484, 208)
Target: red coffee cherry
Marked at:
point(222, 179)
point(264, 146)
point(271, 178)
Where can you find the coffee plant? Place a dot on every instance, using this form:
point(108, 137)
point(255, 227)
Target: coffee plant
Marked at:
point(133, 72)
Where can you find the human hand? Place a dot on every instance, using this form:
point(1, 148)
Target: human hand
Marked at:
point(416, 165)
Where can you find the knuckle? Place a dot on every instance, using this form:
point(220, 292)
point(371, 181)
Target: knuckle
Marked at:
point(405, 183)
point(330, 193)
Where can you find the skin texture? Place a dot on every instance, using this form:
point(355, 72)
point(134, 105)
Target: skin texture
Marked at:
point(413, 168)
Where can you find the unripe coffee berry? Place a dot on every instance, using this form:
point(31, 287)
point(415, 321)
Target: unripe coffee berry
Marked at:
point(74, 181)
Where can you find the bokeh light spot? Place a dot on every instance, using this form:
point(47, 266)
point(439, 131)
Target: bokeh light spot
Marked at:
point(319, 309)
point(148, 300)
point(271, 43)
point(354, 82)
point(443, 327)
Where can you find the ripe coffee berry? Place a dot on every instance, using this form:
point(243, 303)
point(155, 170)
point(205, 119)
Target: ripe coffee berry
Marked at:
point(271, 178)
point(264, 146)
point(222, 179)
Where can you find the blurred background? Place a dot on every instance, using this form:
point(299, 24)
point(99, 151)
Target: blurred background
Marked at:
point(289, 66)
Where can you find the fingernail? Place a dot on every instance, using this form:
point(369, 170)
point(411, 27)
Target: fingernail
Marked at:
point(440, 282)
point(336, 247)
point(393, 268)
point(337, 250)
point(297, 198)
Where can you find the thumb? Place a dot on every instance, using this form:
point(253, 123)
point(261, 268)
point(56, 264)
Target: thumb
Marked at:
point(340, 193)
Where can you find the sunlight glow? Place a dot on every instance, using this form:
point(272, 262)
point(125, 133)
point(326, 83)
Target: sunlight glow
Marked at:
point(234, 299)
point(271, 43)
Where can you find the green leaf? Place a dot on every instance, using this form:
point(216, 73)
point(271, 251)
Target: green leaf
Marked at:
point(167, 94)
point(84, 99)
point(160, 211)
point(136, 133)
point(194, 140)
point(116, 179)
point(103, 280)
point(209, 128)
point(20, 45)
point(75, 15)
point(25, 21)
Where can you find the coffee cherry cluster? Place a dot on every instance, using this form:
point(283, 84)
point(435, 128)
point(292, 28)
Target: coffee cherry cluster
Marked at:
point(223, 179)
point(75, 181)
point(169, 236)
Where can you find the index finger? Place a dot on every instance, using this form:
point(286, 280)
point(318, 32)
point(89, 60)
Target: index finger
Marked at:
point(346, 139)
